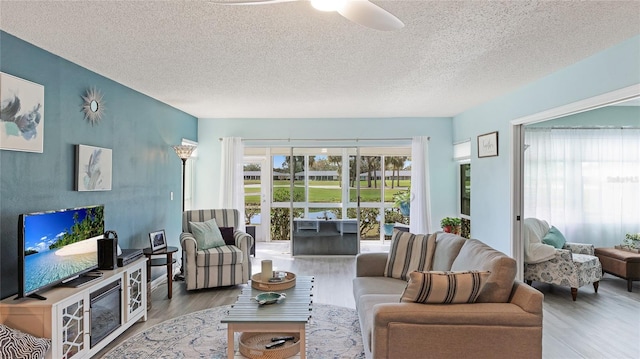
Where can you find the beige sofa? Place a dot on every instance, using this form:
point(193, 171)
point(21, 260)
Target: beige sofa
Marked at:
point(504, 322)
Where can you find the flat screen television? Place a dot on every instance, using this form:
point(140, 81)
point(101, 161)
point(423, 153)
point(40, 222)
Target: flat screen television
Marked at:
point(57, 246)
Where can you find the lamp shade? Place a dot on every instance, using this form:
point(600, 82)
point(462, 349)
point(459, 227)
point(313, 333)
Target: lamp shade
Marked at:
point(184, 151)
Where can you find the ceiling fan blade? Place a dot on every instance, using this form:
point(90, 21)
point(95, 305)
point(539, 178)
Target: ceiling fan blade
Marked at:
point(250, 2)
point(368, 14)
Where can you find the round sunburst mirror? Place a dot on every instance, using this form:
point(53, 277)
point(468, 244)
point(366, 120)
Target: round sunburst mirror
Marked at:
point(93, 106)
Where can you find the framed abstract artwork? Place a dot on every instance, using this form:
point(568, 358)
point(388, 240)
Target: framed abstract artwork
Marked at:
point(488, 145)
point(93, 168)
point(22, 119)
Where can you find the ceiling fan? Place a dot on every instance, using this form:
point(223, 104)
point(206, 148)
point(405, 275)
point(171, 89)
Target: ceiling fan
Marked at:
point(362, 12)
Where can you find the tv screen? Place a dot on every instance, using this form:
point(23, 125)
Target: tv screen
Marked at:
point(58, 245)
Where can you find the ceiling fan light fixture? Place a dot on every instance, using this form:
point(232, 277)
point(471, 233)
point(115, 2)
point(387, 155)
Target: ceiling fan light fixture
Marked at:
point(327, 5)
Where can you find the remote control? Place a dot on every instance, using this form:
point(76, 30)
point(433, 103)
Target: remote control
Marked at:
point(281, 338)
point(274, 344)
point(272, 280)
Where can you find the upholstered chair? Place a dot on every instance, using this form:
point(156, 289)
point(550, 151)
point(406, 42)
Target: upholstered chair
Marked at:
point(573, 265)
point(219, 266)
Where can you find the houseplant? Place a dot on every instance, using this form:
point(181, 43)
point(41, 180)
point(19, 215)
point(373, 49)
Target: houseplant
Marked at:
point(402, 200)
point(451, 224)
point(632, 240)
point(391, 217)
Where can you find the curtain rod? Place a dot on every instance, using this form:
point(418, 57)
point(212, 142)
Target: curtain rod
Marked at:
point(328, 139)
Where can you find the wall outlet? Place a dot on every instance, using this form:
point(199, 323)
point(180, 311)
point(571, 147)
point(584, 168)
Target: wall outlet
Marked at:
point(171, 195)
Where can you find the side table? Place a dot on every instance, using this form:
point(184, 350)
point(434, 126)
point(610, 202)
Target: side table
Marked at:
point(159, 262)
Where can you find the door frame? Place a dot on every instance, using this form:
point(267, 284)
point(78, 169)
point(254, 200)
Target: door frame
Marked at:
point(517, 155)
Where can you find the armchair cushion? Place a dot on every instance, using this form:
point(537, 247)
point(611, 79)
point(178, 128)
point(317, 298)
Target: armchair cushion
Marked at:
point(444, 287)
point(554, 238)
point(227, 235)
point(207, 234)
point(218, 256)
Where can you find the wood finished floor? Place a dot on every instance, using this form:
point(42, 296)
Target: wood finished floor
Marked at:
point(602, 325)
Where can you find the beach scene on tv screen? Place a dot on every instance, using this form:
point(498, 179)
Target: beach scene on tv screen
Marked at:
point(60, 244)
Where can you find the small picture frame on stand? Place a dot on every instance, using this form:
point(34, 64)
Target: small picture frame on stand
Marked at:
point(158, 240)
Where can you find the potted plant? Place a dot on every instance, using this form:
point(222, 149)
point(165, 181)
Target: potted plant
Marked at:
point(632, 240)
point(402, 200)
point(451, 225)
point(391, 217)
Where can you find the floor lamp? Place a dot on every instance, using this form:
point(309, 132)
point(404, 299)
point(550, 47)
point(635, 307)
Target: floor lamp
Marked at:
point(184, 152)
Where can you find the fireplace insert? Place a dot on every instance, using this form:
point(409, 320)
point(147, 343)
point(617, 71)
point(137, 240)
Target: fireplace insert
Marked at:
point(106, 305)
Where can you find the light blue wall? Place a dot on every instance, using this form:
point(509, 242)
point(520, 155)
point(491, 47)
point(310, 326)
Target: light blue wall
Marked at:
point(442, 168)
point(137, 128)
point(609, 70)
point(616, 116)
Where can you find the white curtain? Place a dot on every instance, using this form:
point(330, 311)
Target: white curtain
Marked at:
point(420, 209)
point(232, 176)
point(585, 182)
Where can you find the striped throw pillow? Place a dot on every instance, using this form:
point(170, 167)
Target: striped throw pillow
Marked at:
point(409, 252)
point(16, 344)
point(444, 287)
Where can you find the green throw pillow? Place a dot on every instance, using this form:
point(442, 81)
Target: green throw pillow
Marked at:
point(554, 238)
point(207, 234)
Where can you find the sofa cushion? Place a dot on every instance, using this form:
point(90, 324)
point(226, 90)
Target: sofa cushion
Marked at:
point(475, 255)
point(437, 287)
point(366, 305)
point(447, 248)
point(377, 285)
point(207, 234)
point(409, 252)
point(16, 344)
point(554, 238)
point(217, 256)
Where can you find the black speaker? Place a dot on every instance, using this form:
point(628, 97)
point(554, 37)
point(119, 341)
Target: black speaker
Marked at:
point(108, 251)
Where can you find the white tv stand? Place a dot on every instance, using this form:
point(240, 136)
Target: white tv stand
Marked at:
point(65, 314)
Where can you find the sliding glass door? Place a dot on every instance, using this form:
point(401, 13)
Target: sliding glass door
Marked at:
point(355, 193)
point(322, 218)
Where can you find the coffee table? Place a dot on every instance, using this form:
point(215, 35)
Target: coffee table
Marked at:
point(289, 315)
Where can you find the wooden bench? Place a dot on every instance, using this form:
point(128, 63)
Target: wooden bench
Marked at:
point(621, 263)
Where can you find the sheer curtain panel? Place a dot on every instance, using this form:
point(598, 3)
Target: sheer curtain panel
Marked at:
point(420, 210)
point(232, 176)
point(585, 182)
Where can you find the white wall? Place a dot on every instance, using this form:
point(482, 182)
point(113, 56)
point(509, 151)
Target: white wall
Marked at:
point(609, 70)
point(443, 169)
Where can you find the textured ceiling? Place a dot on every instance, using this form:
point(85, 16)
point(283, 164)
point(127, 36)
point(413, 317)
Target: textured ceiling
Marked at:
point(288, 60)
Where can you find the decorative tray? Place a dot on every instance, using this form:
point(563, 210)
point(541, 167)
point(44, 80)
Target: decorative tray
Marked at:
point(269, 297)
point(288, 281)
point(252, 345)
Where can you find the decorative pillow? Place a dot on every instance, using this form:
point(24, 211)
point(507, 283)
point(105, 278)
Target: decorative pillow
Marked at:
point(409, 252)
point(16, 344)
point(207, 234)
point(227, 235)
point(444, 287)
point(554, 238)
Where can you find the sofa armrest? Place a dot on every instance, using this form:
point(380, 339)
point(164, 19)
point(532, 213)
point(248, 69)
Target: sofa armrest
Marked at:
point(580, 248)
point(371, 264)
point(243, 240)
point(188, 244)
point(527, 298)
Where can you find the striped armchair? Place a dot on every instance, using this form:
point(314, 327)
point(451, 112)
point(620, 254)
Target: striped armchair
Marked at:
point(220, 266)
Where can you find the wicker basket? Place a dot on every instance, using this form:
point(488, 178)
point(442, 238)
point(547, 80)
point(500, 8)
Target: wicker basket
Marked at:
point(289, 281)
point(252, 345)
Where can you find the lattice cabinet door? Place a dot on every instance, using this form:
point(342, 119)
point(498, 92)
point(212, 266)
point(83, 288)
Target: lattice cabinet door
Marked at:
point(72, 330)
point(136, 291)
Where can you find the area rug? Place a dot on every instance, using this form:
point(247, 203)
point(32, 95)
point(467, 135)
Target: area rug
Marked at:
point(332, 332)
